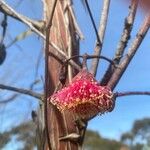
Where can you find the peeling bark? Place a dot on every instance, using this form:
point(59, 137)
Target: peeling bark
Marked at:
point(62, 30)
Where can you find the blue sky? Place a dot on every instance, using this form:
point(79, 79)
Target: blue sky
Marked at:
point(19, 68)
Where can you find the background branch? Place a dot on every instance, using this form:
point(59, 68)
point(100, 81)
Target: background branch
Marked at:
point(22, 91)
point(131, 52)
point(125, 37)
point(126, 31)
point(130, 93)
point(6, 9)
point(10, 99)
point(101, 32)
point(93, 22)
point(33, 25)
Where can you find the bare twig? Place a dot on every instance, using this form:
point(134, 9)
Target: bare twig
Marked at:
point(79, 32)
point(57, 49)
point(75, 65)
point(91, 57)
point(129, 20)
point(37, 68)
point(10, 99)
point(32, 24)
point(22, 91)
point(101, 32)
point(71, 137)
point(70, 73)
point(126, 31)
point(130, 93)
point(131, 52)
point(5, 8)
point(93, 22)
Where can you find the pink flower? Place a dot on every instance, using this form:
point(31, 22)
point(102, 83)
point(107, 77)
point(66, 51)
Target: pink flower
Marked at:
point(84, 96)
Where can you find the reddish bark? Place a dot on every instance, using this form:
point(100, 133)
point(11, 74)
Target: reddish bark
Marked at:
point(60, 124)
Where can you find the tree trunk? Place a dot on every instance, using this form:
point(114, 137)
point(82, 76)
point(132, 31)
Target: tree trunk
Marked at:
point(63, 34)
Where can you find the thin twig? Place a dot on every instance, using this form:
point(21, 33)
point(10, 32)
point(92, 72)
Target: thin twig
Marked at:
point(93, 22)
point(57, 49)
point(101, 32)
point(79, 32)
point(129, 20)
point(10, 99)
point(70, 71)
point(91, 57)
point(130, 93)
point(22, 91)
point(131, 52)
point(5, 8)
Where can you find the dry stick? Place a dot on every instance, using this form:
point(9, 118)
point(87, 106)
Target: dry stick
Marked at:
point(93, 22)
point(101, 32)
point(129, 20)
point(22, 91)
point(70, 73)
point(126, 31)
point(131, 52)
point(75, 23)
point(91, 57)
point(48, 28)
point(72, 63)
point(130, 93)
point(10, 99)
point(5, 8)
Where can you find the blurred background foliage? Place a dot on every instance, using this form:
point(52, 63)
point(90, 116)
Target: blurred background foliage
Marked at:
point(138, 138)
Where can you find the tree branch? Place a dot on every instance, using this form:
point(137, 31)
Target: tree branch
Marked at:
point(91, 57)
point(130, 93)
point(93, 22)
point(131, 52)
point(126, 31)
point(22, 91)
point(33, 26)
point(101, 32)
point(10, 99)
point(57, 49)
point(6, 9)
point(129, 20)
